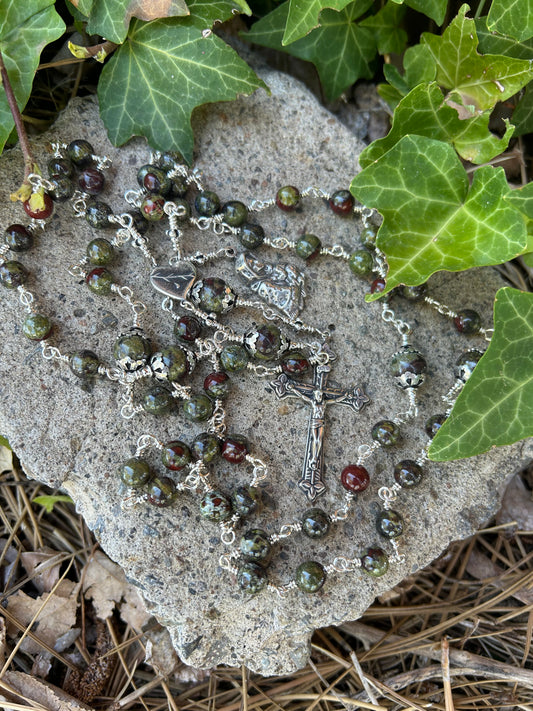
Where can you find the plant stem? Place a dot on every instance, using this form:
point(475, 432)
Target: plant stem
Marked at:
point(29, 161)
point(479, 9)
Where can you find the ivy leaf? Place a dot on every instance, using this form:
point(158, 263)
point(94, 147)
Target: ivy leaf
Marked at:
point(4, 442)
point(496, 43)
point(303, 16)
point(432, 219)
point(523, 113)
point(25, 28)
point(496, 405)
point(479, 81)
point(419, 68)
point(424, 113)
point(49, 501)
point(167, 68)
point(386, 25)
point(522, 199)
point(436, 9)
point(512, 17)
point(340, 49)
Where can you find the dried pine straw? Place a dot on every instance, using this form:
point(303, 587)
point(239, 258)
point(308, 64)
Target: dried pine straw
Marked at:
point(456, 635)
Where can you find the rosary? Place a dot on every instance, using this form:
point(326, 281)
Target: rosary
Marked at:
point(295, 358)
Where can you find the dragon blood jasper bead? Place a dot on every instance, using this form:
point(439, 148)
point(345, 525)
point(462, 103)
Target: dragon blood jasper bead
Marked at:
point(61, 188)
point(162, 492)
point(13, 274)
point(205, 447)
point(216, 385)
point(408, 367)
point(375, 562)
point(152, 207)
point(245, 500)
point(169, 159)
point(172, 363)
point(361, 262)
point(138, 221)
point(234, 213)
point(288, 198)
point(132, 350)
point(386, 432)
point(135, 472)
point(154, 180)
point(158, 400)
point(80, 152)
point(207, 203)
point(97, 215)
point(378, 286)
point(294, 363)
point(100, 280)
point(341, 202)
point(175, 455)
point(355, 478)
point(18, 238)
point(251, 578)
point(368, 237)
point(60, 166)
point(433, 424)
point(187, 329)
point(310, 576)
point(235, 448)
point(308, 247)
point(234, 358)
point(36, 327)
point(213, 295)
point(215, 506)
point(255, 546)
point(100, 252)
point(467, 361)
point(315, 523)
point(467, 321)
point(251, 235)
point(408, 473)
point(265, 342)
point(91, 181)
point(389, 524)
point(39, 213)
point(84, 364)
point(198, 408)
point(414, 293)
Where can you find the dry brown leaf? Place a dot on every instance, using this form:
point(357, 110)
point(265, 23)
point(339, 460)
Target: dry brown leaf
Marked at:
point(49, 697)
point(56, 618)
point(516, 505)
point(2, 640)
point(6, 459)
point(159, 651)
point(9, 563)
point(482, 568)
point(153, 9)
point(42, 567)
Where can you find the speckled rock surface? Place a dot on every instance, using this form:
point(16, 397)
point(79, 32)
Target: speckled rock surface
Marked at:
point(73, 436)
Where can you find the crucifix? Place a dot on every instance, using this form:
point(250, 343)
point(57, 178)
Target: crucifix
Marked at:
point(319, 395)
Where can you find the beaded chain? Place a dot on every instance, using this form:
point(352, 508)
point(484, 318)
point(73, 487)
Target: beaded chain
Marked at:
point(198, 306)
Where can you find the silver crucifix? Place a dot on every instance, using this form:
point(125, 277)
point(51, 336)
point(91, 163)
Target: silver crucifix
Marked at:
point(319, 395)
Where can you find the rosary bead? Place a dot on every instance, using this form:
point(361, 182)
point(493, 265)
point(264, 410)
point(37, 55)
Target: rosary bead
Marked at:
point(408, 473)
point(251, 235)
point(84, 364)
point(386, 432)
point(375, 562)
point(213, 295)
point(91, 181)
point(172, 363)
point(98, 214)
point(245, 500)
point(36, 327)
point(234, 358)
point(60, 166)
point(408, 367)
point(198, 408)
point(13, 274)
point(175, 455)
point(251, 578)
point(434, 424)
point(414, 293)
point(131, 351)
point(80, 153)
point(466, 363)
point(255, 546)
point(168, 160)
point(377, 286)
point(162, 492)
point(234, 213)
point(158, 400)
point(42, 214)
point(18, 238)
point(355, 478)
point(152, 207)
point(235, 449)
point(315, 523)
point(205, 447)
point(216, 385)
point(187, 329)
point(154, 179)
point(308, 247)
point(62, 188)
point(179, 186)
point(341, 202)
point(368, 237)
point(310, 576)
point(467, 321)
point(214, 506)
point(389, 524)
point(361, 262)
point(265, 342)
point(100, 280)
point(100, 252)
point(207, 203)
point(135, 472)
point(288, 198)
point(294, 363)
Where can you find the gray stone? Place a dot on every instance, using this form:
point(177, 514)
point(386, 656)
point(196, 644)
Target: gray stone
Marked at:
point(72, 436)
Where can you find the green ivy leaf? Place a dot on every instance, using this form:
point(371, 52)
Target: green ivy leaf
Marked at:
point(424, 113)
point(25, 28)
point(512, 17)
point(304, 15)
point(478, 81)
point(340, 49)
point(496, 405)
point(49, 501)
point(154, 81)
point(523, 113)
point(432, 219)
point(4, 442)
point(495, 43)
point(419, 68)
point(206, 13)
point(436, 9)
point(386, 25)
point(522, 199)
